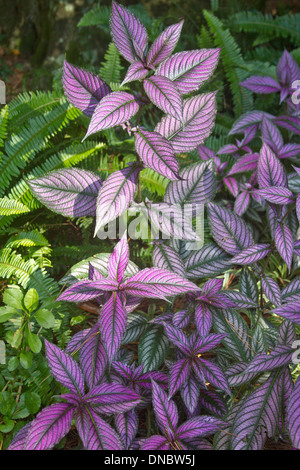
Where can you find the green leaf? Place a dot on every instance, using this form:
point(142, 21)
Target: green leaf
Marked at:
point(13, 297)
point(26, 359)
point(17, 338)
point(7, 426)
point(45, 318)
point(34, 342)
point(31, 300)
point(153, 348)
point(32, 401)
point(13, 363)
point(6, 313)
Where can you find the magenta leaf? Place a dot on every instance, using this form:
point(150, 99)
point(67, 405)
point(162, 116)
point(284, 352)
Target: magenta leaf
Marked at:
point(136, 71)
point(289, 150)
point(127, 426)
point(92, 357)
point(247, 162)
point(18, 441)
point(249, 119)
point(64, 368)
point(271, 135)
point(263, 85)
point(128, 33)
point(112, 321)
point(277, 195)
point(71, 192)
point(228, 229)
point(157, 283)
point(284, 242)
point(189, 69)
point(111, 398)
point(198, 120)
point(165, 410)
point(252, 254)
point(118, 260)
point(270, 170)
point(86, 290)
point(165, 257)
point(165, 95)
point(200, 426)
point(83, 89)
point(197, 185)
point(157, 153)
point(290, 311)
point(164, 44)
point(113, 110)
point(207, 261)
point(271, 289)
point(97, 434)
point(49, 427)
point(116, 194)
point(156, 443)
point(293, 415)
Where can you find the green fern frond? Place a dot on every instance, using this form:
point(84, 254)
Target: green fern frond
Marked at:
point(3, 125)
point(11, 207)
point(99, 16)
point(154, 182)
point(266, 26)
point(232, 62)
point(111, 67)
point(28, 239)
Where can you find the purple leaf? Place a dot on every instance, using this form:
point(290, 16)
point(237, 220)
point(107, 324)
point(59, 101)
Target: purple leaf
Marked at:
point(190, 394)
point(157, 153)
point(293, 415)
point(165, 410)
point(214, 375)
point(182, 318)
point(270, 170)
point(291, 123)
point(179, 373)
point(64, 368)
point(289, 150)
point(197, 185)
point(178, 338)
point(248, 119)
point(207, 343)
point(287, 70)
point(164, 44)
point(205, 153)
point(203, 319)
point(18, 441)
point(232, 185)
point(128, 33)
point(228, 229)
point(83, 89)
point(239, 299)
point(242, 203)
point(271, 290)
point(198, 120)
point(49, 427)
point(86, 290)
point(257, 417)
point(291, 291)
point(155, 443)
point(71, 192)
point(271, 135)
point(112, 321)
point(111, 398)
point(252, 254)
point(165, 95)
point(290, 311)
point(280, 356)
point(200, 426)
point(189, 69)
point(208, 261)
point(158, 283)
point(98, 434)
point(136, 71)
point(284, 242)
point(277, 195)
point(247, 162)
point(165, 257)
point(92, 357)
point(298, 207)
point(113, 110)
point(116, 195)
point(118, 260)
point(127, 426)
point(211, 401)
point(259, 84)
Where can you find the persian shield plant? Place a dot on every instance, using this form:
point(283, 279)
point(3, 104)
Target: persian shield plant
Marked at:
point(216, 371)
